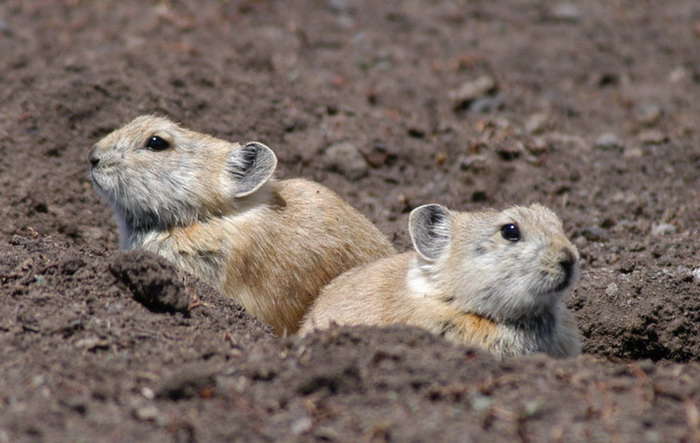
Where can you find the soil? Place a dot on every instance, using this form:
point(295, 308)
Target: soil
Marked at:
point(590, 108)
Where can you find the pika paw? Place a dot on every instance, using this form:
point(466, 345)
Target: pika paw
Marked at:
point(494, 280)
point(213, 208)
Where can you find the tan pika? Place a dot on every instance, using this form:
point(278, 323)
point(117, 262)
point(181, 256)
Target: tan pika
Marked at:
point(495, 280)
point(213, 208)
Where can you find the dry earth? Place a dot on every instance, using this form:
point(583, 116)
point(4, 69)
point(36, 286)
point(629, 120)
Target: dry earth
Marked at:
point(588, 107)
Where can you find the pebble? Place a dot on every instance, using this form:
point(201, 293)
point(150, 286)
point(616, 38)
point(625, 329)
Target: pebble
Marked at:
point(652, 137)
point(537, 123)
point(537, 146)
point(608, 142)
point(463, 96)
point(663, 229)
point(477, 162)
point(678, 75)
point(146, 413)
point(91, 343)
point(626, 266)
point(486, 104)
point(648, 113)
point(612, 290)
point(4, 27)
point(301, 425)
point(347, 159)
point(696, 274)
point(148, 393)
point(633, 153)
point(567, 12)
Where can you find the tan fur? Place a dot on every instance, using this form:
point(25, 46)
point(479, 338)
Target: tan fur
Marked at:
point(481, 289)
point(271, 250)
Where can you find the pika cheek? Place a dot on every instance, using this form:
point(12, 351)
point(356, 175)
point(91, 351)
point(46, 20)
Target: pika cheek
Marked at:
point(479, 250)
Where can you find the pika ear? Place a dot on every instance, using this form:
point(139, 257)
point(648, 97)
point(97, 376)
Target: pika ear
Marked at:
point(429, 226)
point(250, 167)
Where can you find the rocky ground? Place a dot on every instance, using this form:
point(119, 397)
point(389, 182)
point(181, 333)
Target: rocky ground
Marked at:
point(588, 107)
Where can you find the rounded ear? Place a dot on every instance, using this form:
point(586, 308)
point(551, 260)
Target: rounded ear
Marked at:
point(250, 167)
point(429, 226)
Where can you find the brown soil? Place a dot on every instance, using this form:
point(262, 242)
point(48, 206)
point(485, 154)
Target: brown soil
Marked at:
point(97, 344)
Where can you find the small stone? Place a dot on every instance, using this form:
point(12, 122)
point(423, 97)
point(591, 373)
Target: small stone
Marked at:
point(612, 290)
point(567, 12)
point(608, 141)
point(652, 137)
point(301, 425)
point(663, 229)
point(678, 75)
point(473, 162)
point(146, 413)
point(91, 343)
point(480, 402)
point(537, 146)
point(648, 113)
point(346, 159)
point(626, 267)
point(148, 393)
point(486, 104)
point(537, 123)
point(696, 274)
point(463, 96)
point(633, 153)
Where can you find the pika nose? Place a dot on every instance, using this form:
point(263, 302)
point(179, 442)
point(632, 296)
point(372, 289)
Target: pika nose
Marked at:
point(92, 156)
point(567, 263)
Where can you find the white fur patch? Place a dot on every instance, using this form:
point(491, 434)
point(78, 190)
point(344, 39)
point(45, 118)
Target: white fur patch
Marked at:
point(418, 281)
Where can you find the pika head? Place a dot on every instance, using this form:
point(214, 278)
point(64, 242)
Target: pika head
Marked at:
point(156, 174)
point(508, 266)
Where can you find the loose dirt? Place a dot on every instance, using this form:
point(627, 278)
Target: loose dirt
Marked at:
point(590, 108)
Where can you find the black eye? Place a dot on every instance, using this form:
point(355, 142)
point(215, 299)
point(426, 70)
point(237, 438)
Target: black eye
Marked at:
point(510, 232)
point(156, 143)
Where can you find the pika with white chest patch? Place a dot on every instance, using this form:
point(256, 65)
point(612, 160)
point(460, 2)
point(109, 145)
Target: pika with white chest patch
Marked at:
point(495, 280)
point(213, 208)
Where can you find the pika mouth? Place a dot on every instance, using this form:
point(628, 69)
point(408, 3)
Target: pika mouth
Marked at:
point(94, 176)
point(566, 279)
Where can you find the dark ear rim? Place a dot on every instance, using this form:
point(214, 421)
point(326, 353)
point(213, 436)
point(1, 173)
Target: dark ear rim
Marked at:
point(429, 228)
point(251, 166)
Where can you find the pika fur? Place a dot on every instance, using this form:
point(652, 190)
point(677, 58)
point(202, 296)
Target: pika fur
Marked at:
point(495, 280)
point(213, 208)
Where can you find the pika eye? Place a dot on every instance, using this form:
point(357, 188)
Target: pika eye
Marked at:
point(156, 143)
point(510, 232)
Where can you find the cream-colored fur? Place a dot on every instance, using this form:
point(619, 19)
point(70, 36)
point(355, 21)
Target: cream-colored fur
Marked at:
point(211, 207)
point(468, 283)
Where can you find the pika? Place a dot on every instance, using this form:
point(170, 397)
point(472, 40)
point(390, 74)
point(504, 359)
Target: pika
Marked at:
point(214, 209)
point(494, 280)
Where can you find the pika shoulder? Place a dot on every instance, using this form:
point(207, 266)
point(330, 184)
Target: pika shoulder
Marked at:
point(213, 208)
point(495, 280)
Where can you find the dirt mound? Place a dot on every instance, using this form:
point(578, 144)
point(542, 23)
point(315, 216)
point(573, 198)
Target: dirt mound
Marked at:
point(587, 107)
